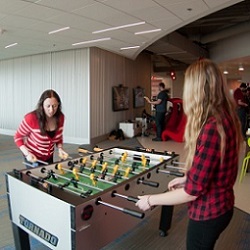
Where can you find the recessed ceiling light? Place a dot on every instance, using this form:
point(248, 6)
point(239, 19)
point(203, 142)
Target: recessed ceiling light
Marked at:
point(92, 41)
point(147, 31)
point(11, 45)
point(59, 30)
point(241, 68)
point(225, 72)
point(131, 47)
point(118, 27)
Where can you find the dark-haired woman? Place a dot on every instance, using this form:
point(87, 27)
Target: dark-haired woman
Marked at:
point(42, 130)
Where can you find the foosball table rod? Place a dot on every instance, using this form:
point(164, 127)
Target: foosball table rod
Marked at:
point(178, 163)
point(122, 162)
point(86, 151)
point(76, 173)
point(110, 174)
point(124, 210)
point(35, 164)
point(44, 181)
point(177, 168)
point(148, 183)
point(43, 170)
point(128, 198)
point(99, 171)
point(108, 167)
point(178, 174)
point(134, 158)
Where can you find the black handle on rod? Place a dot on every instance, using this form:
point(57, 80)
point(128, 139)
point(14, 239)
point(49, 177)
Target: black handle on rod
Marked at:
point(178, 174)
point(124, 210)
point(133, 213)
point(149, 183)
point(133, 199)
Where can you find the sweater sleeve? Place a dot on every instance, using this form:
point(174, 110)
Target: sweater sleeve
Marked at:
point(60, 132)
point(23, 131)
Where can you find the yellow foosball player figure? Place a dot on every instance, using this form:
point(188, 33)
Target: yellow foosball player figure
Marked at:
point(75, 173)
point(93, 179)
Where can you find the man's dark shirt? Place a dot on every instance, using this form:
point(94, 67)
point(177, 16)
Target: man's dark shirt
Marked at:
point(162, 107)
point(238, 95)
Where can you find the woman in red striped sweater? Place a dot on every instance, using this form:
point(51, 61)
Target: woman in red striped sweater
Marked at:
point(42, 130)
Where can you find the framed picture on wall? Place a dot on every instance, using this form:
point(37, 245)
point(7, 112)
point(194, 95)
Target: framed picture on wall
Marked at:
point(138, 94)
point(120, 98)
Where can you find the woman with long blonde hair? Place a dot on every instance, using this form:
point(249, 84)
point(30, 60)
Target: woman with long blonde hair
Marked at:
point(212, 142)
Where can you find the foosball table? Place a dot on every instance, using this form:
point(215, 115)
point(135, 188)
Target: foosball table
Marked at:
point(88, 201)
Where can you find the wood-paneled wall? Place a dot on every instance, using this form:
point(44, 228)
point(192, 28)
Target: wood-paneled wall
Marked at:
point(108, 70)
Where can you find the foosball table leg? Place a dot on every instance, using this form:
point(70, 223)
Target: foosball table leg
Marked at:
point(165, 220)
point(21, 238)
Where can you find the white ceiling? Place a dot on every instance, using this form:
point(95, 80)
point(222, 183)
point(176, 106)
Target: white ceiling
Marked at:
point(27, 22)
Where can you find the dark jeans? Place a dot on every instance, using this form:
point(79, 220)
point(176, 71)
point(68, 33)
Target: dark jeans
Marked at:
point(242, 114)
point(159, 120)
point(202, 235)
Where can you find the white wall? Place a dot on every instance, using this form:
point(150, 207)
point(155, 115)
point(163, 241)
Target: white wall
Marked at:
point(22, 80)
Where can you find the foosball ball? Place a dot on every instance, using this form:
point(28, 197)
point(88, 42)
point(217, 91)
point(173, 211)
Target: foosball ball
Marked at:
point(88, 201)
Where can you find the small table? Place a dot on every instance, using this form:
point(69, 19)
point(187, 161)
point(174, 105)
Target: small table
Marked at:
point(130, 129)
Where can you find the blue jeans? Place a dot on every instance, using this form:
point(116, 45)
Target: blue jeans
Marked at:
point(202, 235)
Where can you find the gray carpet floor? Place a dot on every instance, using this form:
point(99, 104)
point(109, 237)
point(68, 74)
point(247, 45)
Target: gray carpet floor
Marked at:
point(144, 236)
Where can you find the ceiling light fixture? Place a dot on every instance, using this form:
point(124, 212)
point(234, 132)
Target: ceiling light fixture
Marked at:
point(131, 47)
point(147, 31)
point(10, 45)
point(241, 68)
point(225, 72)
point(118, 27)
point(59, 30)
point(92, 41)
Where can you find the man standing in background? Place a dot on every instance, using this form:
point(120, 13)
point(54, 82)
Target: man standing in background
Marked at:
point(161, 108)
point(240, 99)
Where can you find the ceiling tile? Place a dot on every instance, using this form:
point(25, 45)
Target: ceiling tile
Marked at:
point(11, 7)
point(66, 5)
point(79, 22)
point(218, 3)
point(38, 12)
point(17, 21)
point(106, 14)
point(188, 10)
point(130, 5)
